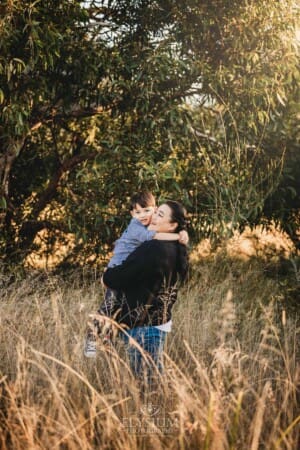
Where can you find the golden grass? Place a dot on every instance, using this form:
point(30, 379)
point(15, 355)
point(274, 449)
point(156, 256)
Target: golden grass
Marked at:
point(231, 378)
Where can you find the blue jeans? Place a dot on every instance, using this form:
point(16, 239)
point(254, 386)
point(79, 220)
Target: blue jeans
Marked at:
point(151, 340)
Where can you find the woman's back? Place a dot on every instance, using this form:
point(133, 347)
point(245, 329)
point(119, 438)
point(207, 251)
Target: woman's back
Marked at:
point(147, 282)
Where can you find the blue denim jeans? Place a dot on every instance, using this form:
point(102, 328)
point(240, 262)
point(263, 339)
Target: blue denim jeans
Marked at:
point(151, 340)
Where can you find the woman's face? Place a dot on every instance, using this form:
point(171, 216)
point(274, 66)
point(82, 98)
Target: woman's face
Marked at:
point(161, 220)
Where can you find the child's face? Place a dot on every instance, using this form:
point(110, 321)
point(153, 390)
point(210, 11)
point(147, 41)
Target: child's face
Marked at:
point(144, 215)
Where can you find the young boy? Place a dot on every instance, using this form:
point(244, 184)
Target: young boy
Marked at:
point(142, 206)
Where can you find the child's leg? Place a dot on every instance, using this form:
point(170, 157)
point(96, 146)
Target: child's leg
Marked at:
point(94, 330)
point(109, 302)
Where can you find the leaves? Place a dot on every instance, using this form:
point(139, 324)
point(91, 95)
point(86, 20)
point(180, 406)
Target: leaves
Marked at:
point(144, 95)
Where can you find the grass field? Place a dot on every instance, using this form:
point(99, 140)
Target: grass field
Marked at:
point(231, 378)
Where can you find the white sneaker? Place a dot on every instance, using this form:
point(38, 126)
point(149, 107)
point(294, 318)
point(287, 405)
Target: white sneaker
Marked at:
point(90, 350)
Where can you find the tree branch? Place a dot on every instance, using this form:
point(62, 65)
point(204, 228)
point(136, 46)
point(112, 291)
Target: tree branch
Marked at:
point(51, 114)
point(31, 227)
point(65, 167)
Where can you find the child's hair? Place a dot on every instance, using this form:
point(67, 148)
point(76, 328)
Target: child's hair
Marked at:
point(144, 199)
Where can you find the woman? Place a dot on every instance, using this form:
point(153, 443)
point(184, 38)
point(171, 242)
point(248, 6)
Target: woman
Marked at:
point(147, 284)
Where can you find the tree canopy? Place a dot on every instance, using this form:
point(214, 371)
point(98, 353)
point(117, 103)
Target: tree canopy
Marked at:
point(194, 100)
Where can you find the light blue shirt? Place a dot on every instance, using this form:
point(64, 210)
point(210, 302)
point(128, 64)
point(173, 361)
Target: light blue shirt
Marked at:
point(134, 235)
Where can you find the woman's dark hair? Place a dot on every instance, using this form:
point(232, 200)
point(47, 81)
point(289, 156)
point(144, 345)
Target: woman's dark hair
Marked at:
point(178, 214)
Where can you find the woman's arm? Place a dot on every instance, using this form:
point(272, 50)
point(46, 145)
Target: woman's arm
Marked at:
point(140, 262)
point(166, 236)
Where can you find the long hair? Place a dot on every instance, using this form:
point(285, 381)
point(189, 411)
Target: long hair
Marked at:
point(178, 214)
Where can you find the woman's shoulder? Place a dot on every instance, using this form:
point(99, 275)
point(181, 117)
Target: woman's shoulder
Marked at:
point(157, 246)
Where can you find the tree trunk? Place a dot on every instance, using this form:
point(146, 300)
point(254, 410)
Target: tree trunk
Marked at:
point(6, 162)
point(7, 159)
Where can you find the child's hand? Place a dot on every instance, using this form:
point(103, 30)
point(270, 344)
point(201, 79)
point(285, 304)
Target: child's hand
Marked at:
point(183, 237)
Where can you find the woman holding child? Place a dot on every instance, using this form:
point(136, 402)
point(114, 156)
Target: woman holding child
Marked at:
point(145, 285)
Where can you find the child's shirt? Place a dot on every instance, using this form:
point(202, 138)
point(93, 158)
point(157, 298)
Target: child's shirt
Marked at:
point(134, 235)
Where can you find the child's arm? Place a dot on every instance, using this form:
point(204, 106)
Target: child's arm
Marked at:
point(166, 236)
point(182, 237)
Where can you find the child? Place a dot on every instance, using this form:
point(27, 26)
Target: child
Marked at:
point(142, 206)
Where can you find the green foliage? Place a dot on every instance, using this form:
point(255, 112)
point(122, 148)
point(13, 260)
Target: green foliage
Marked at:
point(194, 100)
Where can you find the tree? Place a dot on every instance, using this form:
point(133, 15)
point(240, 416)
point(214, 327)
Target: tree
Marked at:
point(102, 98)
point(247, 57)
point(43, 83)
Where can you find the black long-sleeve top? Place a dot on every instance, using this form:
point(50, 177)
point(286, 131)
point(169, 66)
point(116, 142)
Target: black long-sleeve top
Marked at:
point(146, 284)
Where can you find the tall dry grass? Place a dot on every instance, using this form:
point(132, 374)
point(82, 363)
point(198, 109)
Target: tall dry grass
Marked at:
point(231, 378)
